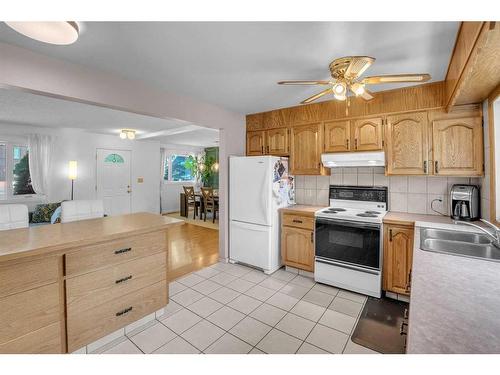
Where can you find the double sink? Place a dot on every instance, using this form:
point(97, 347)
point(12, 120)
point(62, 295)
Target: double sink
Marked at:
point(465, 244)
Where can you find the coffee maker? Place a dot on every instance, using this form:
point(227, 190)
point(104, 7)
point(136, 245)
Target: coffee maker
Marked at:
point(464, 201)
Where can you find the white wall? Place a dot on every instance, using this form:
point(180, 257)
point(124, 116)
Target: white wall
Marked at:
point(72, 144)
point(22, 68)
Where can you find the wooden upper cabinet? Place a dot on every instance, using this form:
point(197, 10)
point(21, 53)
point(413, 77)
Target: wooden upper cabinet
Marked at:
point(305, 150)
point(398, 255)
point(277, 142)
point(458, 146)
point(256, 143)
point(407, 144)
point(337, 136)
point(367, 134)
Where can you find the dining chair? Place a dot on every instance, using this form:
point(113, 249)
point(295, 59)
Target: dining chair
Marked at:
point(81, 210)
point(209, 203)
point(13, 216)
point(191, 201)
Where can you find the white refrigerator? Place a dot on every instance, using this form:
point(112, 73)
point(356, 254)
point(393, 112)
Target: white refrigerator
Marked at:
point(258, 187)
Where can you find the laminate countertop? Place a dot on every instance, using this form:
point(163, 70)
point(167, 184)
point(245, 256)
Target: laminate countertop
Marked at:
point(405, 218)
point(19, 243)
point(301, 209)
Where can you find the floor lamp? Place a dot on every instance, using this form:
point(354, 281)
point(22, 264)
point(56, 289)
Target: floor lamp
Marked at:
point(72, 171)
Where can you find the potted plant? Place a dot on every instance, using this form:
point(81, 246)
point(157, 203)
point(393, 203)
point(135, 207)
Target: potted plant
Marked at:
point(201, 168)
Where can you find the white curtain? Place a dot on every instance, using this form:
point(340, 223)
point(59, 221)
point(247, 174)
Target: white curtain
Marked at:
point(40, 155)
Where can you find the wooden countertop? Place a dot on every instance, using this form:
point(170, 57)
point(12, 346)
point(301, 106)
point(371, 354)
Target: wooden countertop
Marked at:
point(405, 218)
point(18, 243)
point(301, 209)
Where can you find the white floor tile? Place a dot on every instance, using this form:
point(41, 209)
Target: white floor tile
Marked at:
point(303, 281)
point(328, 339)
point(187, 297)
point(237, 270)
point(223, 278)
point(256, 351)
point(244, 304)
point(283, 301)
point(346, 306)
point(294, 290)
point(202, 334)
point(240, 285)
point(308, 310)
point(359, 298)
point(140, 324)
point(318, 298)
point(174, 287)
point(207, 272)
point(268, 314)
point(125, 347)
point(260, 293)
point(325, 289)
point(153, 337)
point(338, 321)
point(307, 348)
point(277, 342)
point(224, 295)
point(170, 309)
point(353, 348)
point(228, 344)
point(190, 280)
point(255, 276)
point(250, 330)
point(105, 340)
point(177, 346)
point(226, 318)
point(206, 287)
point(296, 326)
point(205, 306)
point(283, 275)
point(273, 284)
point(181, 321)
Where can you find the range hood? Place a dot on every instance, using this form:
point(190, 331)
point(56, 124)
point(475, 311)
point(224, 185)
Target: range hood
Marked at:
point(354, 159)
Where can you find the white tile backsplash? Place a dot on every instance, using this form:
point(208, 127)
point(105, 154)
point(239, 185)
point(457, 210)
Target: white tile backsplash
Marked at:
point(406, 194)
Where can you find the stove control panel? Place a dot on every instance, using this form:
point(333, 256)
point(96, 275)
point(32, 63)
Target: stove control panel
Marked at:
point(359, 193)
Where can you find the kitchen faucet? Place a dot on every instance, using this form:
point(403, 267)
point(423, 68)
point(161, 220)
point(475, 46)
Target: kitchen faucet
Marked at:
point(495, 235)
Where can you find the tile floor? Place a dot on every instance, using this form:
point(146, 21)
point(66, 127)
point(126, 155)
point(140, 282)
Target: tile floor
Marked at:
point(232, 309)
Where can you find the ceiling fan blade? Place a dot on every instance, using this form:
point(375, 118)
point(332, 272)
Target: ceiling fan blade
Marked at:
point(316, 96)
point(367, 95)
point(357, 66)
point(304, 82)
point(396, 78)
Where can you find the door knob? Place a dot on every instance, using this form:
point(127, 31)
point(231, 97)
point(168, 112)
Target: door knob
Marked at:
point(129, 191)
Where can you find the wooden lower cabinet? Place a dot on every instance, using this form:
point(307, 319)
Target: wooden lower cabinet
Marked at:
point(297, 242)
point(398, 256)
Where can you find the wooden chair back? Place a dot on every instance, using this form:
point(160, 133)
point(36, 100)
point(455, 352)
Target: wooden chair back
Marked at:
point(189, 192)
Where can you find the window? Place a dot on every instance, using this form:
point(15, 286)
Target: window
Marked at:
point(15, 179)
point(175, 168)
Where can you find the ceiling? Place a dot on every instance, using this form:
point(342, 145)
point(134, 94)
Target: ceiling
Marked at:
point(23, 108)
point(236, 65)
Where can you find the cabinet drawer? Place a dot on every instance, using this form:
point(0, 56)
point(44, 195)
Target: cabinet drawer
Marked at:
point(18, 276)
point(297, 221)
point(46, 340)
point(107, 254)
point(96, 288)
point(84, 327)
point(29, 311)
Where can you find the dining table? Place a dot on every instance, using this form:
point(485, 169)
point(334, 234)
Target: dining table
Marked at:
point(183, 202)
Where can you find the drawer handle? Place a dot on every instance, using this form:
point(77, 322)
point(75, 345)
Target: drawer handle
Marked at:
point(297, 221)
point(123, 312)
point(121, 251)
point(123, 279)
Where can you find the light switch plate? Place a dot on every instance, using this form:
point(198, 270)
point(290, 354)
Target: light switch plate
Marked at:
point(140, 180)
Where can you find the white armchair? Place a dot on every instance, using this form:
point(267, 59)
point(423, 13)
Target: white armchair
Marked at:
point(13, 216)
point(81, 210)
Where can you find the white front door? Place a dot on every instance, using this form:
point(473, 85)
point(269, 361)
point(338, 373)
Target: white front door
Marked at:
point(113, 181)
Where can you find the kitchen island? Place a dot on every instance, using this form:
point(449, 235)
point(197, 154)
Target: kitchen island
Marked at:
point(64, 286)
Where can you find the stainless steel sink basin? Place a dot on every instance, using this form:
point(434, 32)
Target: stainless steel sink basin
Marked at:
point(466, 244)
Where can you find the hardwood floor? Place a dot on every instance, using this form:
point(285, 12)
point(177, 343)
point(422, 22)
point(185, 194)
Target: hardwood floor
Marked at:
point(191, 247)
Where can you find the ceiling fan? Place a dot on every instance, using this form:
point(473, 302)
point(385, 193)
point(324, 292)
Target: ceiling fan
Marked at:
point(346, 73)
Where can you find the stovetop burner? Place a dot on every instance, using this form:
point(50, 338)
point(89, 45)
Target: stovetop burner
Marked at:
point(366, 214)
point(372, 212)
point(335, 209)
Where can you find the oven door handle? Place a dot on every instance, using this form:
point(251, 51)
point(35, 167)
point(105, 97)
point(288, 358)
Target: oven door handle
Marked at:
point(343, 265)
point(347, 223)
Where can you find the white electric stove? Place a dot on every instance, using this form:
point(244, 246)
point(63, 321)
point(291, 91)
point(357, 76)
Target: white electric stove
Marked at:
point(349, 239)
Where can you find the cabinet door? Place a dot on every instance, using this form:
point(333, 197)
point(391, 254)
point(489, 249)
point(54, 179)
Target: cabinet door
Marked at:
point(277, 142)
point(458, 147)
point(398, 255)
point(256, 143)
point(406, 144)
point(367, 134)
point(306, 149)
point(337, 136)
point(297, 248)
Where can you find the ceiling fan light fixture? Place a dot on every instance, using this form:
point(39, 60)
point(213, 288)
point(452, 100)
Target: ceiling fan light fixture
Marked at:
point(340, 97)
point(58, 32)
point(127, 134)
point(358, 88)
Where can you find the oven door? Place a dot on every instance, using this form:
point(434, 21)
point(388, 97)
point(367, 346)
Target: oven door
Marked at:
point(348, 242)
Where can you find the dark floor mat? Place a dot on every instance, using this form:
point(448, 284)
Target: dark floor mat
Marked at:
point(379, 326)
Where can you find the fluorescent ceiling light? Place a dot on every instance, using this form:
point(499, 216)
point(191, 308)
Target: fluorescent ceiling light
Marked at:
point(60, 32)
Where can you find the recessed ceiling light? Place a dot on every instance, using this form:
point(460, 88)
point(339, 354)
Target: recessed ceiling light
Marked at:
point(60, 32)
